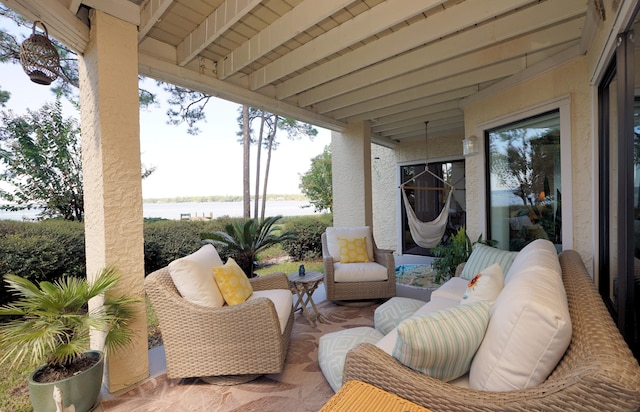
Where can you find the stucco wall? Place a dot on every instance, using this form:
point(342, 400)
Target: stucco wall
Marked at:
point(571, 79)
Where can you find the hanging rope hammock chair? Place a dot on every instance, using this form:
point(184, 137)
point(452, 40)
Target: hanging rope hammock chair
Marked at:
point(427, 234)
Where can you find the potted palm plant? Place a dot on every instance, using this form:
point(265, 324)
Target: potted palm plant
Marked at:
point(48, 328)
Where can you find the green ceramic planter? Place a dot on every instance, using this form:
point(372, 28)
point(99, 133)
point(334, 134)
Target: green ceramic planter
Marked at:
point(81, 390)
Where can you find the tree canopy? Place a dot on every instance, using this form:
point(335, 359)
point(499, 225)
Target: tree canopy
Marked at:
point(41, 155)
point(316, 184)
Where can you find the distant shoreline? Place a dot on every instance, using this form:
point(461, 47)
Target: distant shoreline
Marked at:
point(225, 198)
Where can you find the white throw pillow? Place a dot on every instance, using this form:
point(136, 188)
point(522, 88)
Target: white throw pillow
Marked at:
point(442, 344)
point(485, 286)
point(530, 328)
point(193, 277)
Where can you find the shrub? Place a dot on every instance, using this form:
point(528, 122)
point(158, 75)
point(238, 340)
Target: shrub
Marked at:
point(307, 242)
point(166, 240)
point(41, 250)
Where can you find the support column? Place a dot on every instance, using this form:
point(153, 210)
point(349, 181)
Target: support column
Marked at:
point(351, 169)
point(111, 168)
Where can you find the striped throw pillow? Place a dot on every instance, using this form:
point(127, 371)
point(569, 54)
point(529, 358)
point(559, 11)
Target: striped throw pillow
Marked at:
point(443, 343)
point(484, 256)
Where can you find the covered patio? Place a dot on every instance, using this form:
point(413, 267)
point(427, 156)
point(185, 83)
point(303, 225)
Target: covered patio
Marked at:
point(371, 71)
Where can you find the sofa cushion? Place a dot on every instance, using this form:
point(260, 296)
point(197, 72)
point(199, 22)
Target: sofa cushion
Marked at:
point(333, 348)
point(485, 286)
point(453, 288)
point(442, 344)
point(233, 283)
point(282, 300)
point(193, 277)
point(530, 327)
point(353, 249)
point(359, 272)
point(348, 232)
point(484, 256)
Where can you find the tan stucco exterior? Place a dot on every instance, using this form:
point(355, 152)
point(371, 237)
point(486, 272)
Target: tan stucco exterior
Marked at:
point(351, 169)
point(112, 185)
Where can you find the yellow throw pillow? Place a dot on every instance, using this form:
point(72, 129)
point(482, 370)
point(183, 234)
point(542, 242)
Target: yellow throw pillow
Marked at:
point(233, 283)
point(353, 250)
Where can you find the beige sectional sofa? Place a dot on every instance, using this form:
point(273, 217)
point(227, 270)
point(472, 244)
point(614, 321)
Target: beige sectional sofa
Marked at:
point(550, 344)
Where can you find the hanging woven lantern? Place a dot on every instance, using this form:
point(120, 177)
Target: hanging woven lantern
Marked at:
point(39, 57)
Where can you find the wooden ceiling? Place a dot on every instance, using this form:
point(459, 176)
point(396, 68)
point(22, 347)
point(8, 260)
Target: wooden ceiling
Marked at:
point(396, 63)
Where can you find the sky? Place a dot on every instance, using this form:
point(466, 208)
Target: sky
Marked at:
point(209, 163)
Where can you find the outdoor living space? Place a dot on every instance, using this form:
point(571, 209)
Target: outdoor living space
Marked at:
point(514, 123)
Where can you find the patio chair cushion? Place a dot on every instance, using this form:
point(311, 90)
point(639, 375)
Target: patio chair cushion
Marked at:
point(333, 233)
point(282, 300)
point(454, 289)
point(484, 256)
point(193, 277)
point(443, 343)
point(333, 348)
point(359, 272)
point(485, 286)
point(353, 250)
point(233, 283)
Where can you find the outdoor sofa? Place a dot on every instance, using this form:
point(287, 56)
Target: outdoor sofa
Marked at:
point(538, 357)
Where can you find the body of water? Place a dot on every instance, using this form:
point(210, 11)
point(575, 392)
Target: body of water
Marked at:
point(173, 211)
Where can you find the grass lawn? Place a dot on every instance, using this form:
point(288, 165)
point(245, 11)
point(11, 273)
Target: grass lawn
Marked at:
point(14, 393)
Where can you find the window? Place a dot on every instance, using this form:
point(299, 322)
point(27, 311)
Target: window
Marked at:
point(427, 196)
point(619, 190)
point(524, 189)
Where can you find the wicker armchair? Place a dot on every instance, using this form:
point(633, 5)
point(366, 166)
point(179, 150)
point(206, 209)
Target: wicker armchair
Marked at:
point(598, 371)
point(359, 290)
point(233, 343)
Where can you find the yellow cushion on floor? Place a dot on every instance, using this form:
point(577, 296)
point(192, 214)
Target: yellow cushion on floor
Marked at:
point(357, 396)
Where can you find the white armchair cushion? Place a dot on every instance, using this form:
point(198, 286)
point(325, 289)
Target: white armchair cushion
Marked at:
point(359, 272)
point(193, 277)
point(333, 233)
point(282, 299)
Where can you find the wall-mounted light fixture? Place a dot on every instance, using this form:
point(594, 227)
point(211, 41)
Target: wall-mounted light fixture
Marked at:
point(470, 146)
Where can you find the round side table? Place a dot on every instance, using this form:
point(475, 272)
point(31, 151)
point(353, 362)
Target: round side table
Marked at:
point(303, 287)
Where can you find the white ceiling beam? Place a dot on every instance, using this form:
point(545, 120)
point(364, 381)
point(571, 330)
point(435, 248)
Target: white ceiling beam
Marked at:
point(151, 11)
point(419, 116)
point(121, 9)
point(61, 24)
point(420, 33)
point(74, 6)
point(508, 27)
point(303, 16)
point(441, 120)
point(214, 26)
point(383, 141)
point(158, 61)
point(422, 111)
point(521, 47)
point(444, 129)
point(361, 27)
point(498, 71)
point(443, 98)
point(536, 70)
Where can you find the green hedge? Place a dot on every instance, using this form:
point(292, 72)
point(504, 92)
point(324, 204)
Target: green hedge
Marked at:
point(49, 249)
point(308, 243)
point(41, 251)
